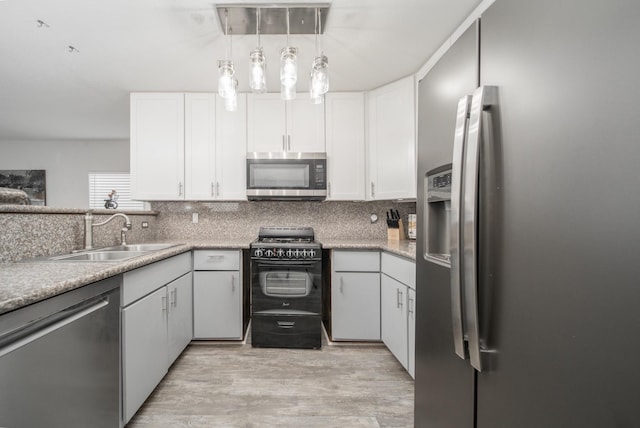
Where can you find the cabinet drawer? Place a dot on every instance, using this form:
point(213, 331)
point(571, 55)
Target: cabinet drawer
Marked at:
point(142, 281)
point(399, 268)
point(216, 260)
point(356, 261)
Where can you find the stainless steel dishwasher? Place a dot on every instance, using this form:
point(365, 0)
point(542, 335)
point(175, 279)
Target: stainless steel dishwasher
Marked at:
point(59, 360)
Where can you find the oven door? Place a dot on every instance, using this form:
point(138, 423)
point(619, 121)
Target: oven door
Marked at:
point(286, 286)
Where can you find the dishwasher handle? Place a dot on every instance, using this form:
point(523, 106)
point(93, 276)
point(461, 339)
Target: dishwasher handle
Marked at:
point(31, 332)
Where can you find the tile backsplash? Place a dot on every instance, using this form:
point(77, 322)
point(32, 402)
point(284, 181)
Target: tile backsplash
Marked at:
point(35, 233)
point(242, 220)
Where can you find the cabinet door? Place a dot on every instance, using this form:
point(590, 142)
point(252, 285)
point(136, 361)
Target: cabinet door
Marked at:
point(392, 141)
point(305, 125)
point(217, 305)
point(157, 146)
point(355, 306)
point(411, 331)
point(144, 338)
point(393, 317)
point(180, 321)
point(345, 146)
point(200, 146)
point(231, 151)
point(266, 123)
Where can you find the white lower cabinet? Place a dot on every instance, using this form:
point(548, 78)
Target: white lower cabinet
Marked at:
point(394, 317)
point(156, 325)
point(397, 308)
point(217, 295)
point(411, 330)
point(355, 295)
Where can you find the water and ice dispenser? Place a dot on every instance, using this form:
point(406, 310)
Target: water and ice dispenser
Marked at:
point(438, 215)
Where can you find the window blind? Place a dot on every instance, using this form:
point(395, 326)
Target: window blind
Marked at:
point(101, 184)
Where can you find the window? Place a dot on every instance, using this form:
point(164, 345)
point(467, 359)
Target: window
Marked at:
point(102, 184)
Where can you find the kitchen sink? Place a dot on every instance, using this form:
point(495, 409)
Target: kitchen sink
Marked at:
point(111, 254)
point(140, 247)
point(99, 256)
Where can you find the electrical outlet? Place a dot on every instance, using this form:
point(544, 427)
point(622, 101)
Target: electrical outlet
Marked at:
point(144, 224)
point(194, 217)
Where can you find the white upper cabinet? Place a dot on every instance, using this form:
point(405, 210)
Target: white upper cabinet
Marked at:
point(345, 132)
point(187, 147)
point(157, 146)
point(231, 151)
point(200, 146)
point(275, 125)
point(392, 141)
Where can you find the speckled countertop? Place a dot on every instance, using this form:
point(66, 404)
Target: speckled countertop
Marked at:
point(26, 282)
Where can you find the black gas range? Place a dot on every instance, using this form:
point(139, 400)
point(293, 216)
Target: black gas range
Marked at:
point(286, 288)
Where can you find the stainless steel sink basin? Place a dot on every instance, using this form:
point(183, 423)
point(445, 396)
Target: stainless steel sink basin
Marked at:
point(143, 247)
point(111, 254)
point(99, 256)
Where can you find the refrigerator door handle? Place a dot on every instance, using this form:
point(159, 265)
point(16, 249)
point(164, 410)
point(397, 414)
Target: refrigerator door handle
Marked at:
point(454, 234)
point(483, 98)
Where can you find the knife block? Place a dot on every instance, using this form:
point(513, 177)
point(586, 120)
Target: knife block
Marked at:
point(396, 234)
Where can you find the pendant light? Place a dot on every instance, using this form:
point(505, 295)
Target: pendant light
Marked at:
point(288, 69)
point(319, 76)
point(258, 73)
point(227, 82)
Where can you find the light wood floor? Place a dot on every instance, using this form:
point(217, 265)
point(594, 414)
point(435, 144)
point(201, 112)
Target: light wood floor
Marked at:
point(233, 385)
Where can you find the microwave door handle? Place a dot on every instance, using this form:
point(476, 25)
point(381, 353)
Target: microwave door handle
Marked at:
point(457, 169)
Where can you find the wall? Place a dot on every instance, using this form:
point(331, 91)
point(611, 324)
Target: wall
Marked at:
point(242, 220)
point(67, 165)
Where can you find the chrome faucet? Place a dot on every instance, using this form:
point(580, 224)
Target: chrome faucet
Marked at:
point(89, 225)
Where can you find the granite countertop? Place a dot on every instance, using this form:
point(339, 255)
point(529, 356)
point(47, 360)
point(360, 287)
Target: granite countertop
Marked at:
point(29, 281)
point(404, 248)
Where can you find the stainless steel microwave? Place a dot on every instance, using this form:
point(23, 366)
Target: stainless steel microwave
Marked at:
point(286, 176)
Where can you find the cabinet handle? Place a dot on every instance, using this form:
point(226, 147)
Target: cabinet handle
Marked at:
point(398, 298)
point(164, 303)
point(289, 142)
point(410, 308)
point(180, 188)
point(373, 193)
point(217, 188)
point(233, 283)
point(341, 284)
point(215, 258)
point(175, 297)
point(328, 189)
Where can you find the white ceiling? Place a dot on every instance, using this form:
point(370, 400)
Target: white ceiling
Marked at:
point(123, 46)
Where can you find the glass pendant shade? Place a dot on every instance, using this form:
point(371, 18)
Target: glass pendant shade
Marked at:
point(226, 78)
point(288, 93)
point(288, 72)
point(258, 74)
point(231, 100)
point(319, 77)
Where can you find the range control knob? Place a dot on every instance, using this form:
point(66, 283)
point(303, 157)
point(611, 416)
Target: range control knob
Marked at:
point(280, 252)
point(304, 253)
point(258, 252)
point(311, 253)
point(290, 253)
point(270, 253)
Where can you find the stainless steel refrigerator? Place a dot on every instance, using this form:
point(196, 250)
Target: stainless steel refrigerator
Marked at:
point(528, 253)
